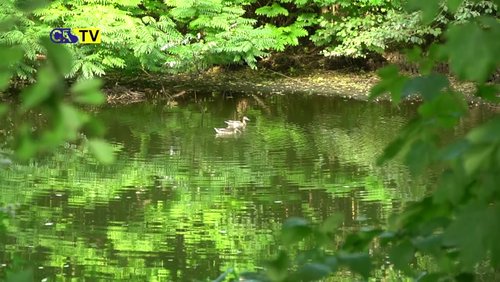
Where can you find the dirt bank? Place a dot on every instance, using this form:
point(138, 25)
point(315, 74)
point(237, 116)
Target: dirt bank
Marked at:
point(354, 85)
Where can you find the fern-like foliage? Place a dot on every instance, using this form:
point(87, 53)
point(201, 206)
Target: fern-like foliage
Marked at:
point(23, 33)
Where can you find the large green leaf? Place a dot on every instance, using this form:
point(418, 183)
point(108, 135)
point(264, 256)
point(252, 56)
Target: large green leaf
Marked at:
point(40, 91)
point(474, 49)
point(88, 92)
point(102, 150)
point(471, 233)
point(59, 55)
point(402, 254)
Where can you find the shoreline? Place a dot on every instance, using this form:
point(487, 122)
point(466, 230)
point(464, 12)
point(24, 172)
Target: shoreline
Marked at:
point(344, 84)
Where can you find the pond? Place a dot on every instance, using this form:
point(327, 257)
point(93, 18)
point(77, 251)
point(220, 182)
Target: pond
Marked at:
point(181, 204)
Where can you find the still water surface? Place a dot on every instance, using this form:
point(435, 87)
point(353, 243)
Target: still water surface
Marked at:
point(183, 205)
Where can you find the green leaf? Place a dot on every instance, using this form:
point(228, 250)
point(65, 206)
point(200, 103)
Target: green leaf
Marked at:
point(391, 81)
point(311, 272)
point(87, 85)
point(428, 86)
point(489, 92)
point(433, 277)
point(430, 244)
point(445, 110)
point(41, 90)
point(59, 55)
point(454, 4)
point(24, 275)
point(402, 254)
point(357, 262)
point(476, 158)
point(102, 150)
point(392, 150)
point(419, 156)
point(5, 80)
point(277, 269)
point(454, 150)
point(72, 119)
point(465, 43)
point(360, 240)
point(30, 5)
point(471, 233)
point(10, 56)
point(294, 230)
point(429, 9)
point(450, 188)
point(272, 11)
point(91, 98)
point(3, 109)
point(331, 223)
point(25, 147)
point(88, 91)
point(486, 133)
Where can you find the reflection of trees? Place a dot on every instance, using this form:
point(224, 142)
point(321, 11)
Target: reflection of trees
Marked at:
point(180, 204)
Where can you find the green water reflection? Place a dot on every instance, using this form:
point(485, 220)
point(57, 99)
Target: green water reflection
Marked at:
point(181, 205)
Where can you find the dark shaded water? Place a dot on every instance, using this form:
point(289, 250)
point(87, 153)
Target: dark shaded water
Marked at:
point(182, 205)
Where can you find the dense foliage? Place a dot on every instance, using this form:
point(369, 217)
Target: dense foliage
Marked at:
point(180, 36)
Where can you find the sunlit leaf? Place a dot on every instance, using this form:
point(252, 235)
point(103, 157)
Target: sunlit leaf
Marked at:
point(272, 11)
point(102, 150)
point(91, 98)
point(72, 119)
point(85, 85)
point(26, 147)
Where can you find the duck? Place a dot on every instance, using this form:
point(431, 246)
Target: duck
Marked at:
point(236, 123)
point(227, 131)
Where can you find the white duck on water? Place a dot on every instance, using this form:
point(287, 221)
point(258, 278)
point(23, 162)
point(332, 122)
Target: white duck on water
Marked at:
point(227, 131)
point(236, 123)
